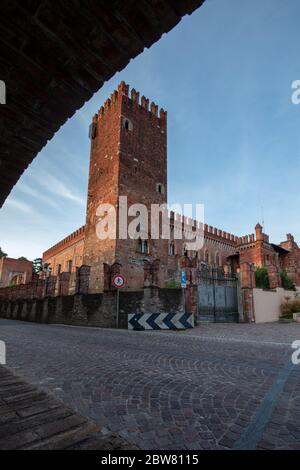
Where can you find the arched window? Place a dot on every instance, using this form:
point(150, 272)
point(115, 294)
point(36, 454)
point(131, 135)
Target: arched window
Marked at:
point(217, 259)
point(160, 188)
point(171, 249)
point(127, 124)
point(185, 251)
point(206, 257)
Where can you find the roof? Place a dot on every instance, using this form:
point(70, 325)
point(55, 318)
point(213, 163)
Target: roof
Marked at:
point(279, 249)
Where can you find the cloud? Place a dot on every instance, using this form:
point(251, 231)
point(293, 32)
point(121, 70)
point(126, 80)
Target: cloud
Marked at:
point(20, 206)
point(24, 188)
point(55, 186)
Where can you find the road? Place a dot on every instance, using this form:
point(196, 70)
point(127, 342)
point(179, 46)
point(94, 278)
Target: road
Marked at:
point(214, 387)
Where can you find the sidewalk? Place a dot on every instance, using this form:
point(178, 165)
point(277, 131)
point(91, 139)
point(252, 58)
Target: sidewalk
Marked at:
point(32, 419)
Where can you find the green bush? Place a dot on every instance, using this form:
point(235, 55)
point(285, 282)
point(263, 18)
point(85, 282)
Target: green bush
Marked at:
point(262, 278)
point(173, 284)
point(289, 307)
point(286, 281)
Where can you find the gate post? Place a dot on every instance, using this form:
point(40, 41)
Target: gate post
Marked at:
point(191, 300)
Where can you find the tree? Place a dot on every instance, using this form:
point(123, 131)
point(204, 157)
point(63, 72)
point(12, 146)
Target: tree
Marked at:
point(286, 281)
point(2, 254)
point(37, 265)
point(262, 278)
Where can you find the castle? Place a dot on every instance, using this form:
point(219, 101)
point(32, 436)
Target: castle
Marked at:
point(129, 157)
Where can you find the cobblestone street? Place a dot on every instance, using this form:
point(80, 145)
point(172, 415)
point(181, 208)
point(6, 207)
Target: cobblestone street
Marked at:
point(219, 386)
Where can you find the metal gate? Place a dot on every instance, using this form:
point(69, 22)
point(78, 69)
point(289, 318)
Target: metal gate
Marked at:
point(217, 296)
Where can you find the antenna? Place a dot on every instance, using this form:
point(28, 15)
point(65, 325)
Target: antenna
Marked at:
point(262, 216)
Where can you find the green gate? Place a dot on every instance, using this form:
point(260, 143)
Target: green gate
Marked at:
point(217, 296)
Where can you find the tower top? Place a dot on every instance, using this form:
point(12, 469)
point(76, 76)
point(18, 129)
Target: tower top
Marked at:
point(123, 94)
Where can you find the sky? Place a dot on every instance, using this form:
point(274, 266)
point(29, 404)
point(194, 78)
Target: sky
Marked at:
point(224, 75)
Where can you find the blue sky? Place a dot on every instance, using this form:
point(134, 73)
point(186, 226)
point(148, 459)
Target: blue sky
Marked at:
point(224, 74)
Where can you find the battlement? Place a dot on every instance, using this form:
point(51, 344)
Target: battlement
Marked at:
point(208, 230)
point(220, 234)
point(69, 240)
point(252, 238)
point(134, 98)
point(246, 240)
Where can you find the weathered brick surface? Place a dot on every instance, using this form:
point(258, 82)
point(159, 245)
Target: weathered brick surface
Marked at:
point(94, 309)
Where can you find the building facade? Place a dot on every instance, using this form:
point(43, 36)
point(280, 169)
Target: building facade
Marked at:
point(129, 159)
point(14, 271)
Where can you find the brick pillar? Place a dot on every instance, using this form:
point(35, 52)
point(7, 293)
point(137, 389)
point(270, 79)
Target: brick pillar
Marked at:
point(50, 286)
point(83, 279)
point(63, 283)
point(40, 289)
point(247, 275)
point(109, 272)
point(248, 306)
point(274, 277)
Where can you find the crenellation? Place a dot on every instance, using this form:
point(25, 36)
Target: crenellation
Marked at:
point(145, 103)
point(163, 114)
point(154, 109)
point(135, 96)
point(107, 104)
point(114, 96)
point(123, 89)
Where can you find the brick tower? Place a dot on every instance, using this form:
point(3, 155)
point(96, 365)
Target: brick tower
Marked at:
point(128, 158)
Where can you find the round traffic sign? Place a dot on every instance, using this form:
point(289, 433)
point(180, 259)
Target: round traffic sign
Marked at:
point(118, 281)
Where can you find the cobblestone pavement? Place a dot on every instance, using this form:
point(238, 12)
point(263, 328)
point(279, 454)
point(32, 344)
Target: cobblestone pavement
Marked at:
point(213, 387)
point(32, 419)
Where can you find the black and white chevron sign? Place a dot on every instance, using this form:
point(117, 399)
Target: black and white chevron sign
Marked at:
point(160, 321)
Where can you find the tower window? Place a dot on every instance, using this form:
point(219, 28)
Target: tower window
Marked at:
point(127, 124)
point(160, 188)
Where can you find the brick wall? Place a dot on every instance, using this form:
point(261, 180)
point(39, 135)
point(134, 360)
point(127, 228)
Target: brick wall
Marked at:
point(93, 309)
point(67, 254)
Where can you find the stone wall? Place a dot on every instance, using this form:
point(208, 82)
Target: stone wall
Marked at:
point(266, 303)
point(93, 309)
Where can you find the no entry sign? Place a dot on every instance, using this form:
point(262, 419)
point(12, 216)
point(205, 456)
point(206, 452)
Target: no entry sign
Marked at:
point(118, 281)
